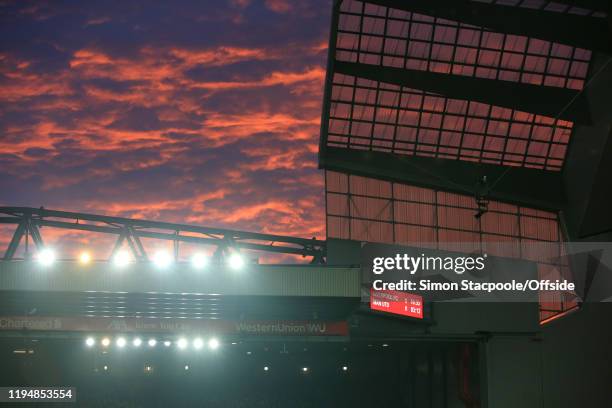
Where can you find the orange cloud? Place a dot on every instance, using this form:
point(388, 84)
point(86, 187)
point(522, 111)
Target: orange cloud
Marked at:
point(278, 6)
point(151, 132)
point(272, 79)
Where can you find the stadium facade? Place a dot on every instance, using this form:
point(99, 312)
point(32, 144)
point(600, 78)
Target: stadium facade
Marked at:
point(479, 127)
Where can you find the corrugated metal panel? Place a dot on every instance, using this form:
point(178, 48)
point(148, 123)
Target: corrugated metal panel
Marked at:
point(384, 212)
point(255, 280)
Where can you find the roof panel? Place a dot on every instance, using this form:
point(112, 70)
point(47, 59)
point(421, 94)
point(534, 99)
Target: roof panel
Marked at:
point(365, 114)
point(377, 35)
point(371, 115)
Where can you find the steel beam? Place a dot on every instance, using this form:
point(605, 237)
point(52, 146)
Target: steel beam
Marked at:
point(35, 233)
point(184, 238)
point(522, 186)
point(117, 245)
point(134, 230)
point(329, 75)
point(594, 5)
point(136, 245)
point(15, 240)
point(137, 223)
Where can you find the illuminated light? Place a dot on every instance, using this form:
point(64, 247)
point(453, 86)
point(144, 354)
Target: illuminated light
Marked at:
point(46, 257)
point(186, 367)
point(152, 342)
point(105, 368)
point(385, 345)
point(121, 342)
point(199, 261)
point(162, 259)
point(148, 369)
point(84, 258)
point(90, 342)
point(213, 344)
point(105, 342)
point(344, 368)
point(137, 342)
point(121, 259)
point(198, 344)
point(167, 343)
point(182, 343)
point(305, 370)
point(236, 261)
point(266, 368)
point(249, 353)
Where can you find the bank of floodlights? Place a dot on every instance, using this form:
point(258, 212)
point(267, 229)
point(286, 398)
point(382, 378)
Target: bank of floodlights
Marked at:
point(198, 344)
point(236, 261)
point(213, 344)
point(121, 259)
point(162, 259)
point(199, 261)
point(84, 258)
point(46, 257)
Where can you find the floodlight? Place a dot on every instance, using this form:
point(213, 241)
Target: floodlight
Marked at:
point(344, 368)
point(121, 342)
point(90, 342)
point(182, 343)
point(137, 342)
point(213, 344)
point(304, 370)
point(236, 261)
point(105, 342)
point(105, 368)
point(46, 257)
point(186, 367)
point(198, 344)
point(266, 368)
point(152, 342)
point(121, 259)
point(199, 261)
point(84, 258)
point(167, 343)
point(162, 259)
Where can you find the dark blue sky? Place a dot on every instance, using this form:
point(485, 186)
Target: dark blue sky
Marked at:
point(198, 112)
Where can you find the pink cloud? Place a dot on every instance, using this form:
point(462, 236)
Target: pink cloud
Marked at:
point(278, 6)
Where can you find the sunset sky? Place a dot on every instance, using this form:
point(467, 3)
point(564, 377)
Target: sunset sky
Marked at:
point(196, 112)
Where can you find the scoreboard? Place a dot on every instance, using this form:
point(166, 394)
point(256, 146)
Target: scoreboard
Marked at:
point(398, 303)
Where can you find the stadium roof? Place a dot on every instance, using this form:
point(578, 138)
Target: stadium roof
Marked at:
point(394, 87)
point(434, 107)
point(494, 83)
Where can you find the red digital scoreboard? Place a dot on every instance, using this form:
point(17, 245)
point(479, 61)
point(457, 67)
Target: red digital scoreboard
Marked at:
point(399, 303)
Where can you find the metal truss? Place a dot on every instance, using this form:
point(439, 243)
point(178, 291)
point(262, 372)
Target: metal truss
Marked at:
point(30, 220)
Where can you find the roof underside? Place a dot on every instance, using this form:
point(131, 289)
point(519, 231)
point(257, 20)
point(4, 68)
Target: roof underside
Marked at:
point(384, 115)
